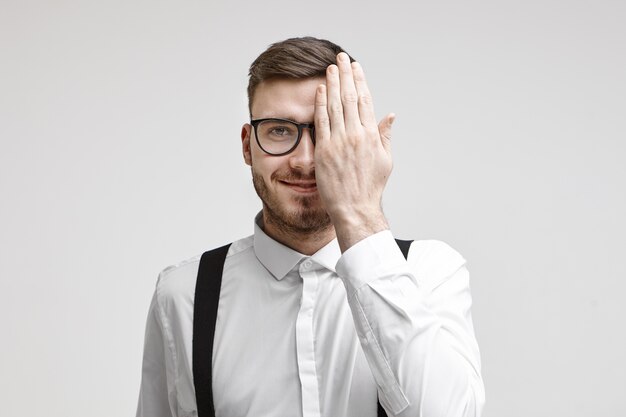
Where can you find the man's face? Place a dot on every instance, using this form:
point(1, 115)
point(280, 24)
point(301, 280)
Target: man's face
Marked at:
point(286, 184)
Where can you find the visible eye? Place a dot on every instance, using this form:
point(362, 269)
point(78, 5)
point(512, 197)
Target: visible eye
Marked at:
point(278, 130)
point(283, 130)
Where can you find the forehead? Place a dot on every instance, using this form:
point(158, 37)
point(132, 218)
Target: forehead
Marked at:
point(286, 98)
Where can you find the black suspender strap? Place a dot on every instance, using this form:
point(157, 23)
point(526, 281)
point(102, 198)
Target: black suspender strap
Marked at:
point(206, 302)
point(404, 245)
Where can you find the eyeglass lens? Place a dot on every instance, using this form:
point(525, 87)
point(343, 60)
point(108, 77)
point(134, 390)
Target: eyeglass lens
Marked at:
point(277, 136)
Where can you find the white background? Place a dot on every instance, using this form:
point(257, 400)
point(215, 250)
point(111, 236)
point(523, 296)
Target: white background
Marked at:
point(120, 155)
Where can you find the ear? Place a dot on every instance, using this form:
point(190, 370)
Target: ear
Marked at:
point(246, 131)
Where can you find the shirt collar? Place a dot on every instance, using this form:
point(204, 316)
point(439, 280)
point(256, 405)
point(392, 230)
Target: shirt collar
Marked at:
point(280, 259)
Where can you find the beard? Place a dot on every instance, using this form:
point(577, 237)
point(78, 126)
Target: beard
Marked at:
point(308, 217)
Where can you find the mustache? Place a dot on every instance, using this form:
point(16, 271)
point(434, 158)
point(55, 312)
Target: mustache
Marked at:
point(291, 175)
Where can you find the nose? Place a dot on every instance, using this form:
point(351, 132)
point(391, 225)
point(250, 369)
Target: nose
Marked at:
point(303, 157)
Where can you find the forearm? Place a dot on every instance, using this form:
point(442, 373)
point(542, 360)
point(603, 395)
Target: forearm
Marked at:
point(419, 344)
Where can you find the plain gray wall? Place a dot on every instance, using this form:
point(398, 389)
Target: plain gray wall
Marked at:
point(120, 155)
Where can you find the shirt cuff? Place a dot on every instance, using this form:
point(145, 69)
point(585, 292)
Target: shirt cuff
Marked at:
point(375, 257)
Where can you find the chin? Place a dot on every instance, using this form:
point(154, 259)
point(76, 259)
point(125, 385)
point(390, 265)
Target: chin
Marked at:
point(302, 217)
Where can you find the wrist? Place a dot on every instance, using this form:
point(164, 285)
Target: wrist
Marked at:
point(352, 226)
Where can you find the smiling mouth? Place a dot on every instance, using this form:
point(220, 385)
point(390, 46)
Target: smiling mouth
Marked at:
point(302, 187)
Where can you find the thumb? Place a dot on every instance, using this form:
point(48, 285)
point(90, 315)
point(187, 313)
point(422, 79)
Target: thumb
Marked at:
point(384, 129)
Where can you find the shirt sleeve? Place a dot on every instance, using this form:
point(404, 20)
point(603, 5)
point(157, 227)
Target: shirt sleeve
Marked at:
point(414, 323)
point(156, 395)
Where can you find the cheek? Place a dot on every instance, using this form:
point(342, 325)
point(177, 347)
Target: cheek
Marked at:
point(264, 166)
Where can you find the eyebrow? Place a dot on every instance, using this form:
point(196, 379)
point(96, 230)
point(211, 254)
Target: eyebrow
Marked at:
point(289, 117)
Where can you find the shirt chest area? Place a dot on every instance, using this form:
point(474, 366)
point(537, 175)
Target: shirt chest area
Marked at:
point(287, 346)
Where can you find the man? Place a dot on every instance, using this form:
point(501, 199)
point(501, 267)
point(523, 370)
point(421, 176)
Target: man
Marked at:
point(319, 312)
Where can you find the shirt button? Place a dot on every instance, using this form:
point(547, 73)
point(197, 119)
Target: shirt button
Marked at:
point(307, 264)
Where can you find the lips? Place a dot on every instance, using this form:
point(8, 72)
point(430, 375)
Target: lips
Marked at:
point(301, 186)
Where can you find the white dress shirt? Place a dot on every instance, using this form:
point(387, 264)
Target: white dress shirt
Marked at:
point(321, 335)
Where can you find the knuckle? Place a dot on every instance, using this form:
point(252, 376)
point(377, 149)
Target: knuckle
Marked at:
point(372, 131)
point(365, 99)
point(336, 108)
point(322, 122)
point(349, 97)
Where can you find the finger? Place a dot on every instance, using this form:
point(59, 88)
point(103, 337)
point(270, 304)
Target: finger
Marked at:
point(366, 105)
point(349, 97)
point(384, 128)
point(320, 118)
point(333, 97)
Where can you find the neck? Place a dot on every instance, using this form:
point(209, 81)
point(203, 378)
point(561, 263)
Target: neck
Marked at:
point(305, 242)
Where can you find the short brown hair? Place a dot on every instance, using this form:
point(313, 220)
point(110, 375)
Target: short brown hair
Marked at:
point(294, 58)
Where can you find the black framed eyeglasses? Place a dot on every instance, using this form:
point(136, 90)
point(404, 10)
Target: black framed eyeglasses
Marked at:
point(280, 136)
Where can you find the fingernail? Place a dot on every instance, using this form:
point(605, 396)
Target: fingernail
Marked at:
point(343, 57)
point(392, 118)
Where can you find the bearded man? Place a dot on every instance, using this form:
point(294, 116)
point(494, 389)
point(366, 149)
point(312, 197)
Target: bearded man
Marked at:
point(321, 312)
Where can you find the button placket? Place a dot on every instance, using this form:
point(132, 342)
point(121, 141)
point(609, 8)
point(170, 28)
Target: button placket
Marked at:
point(305, 342)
